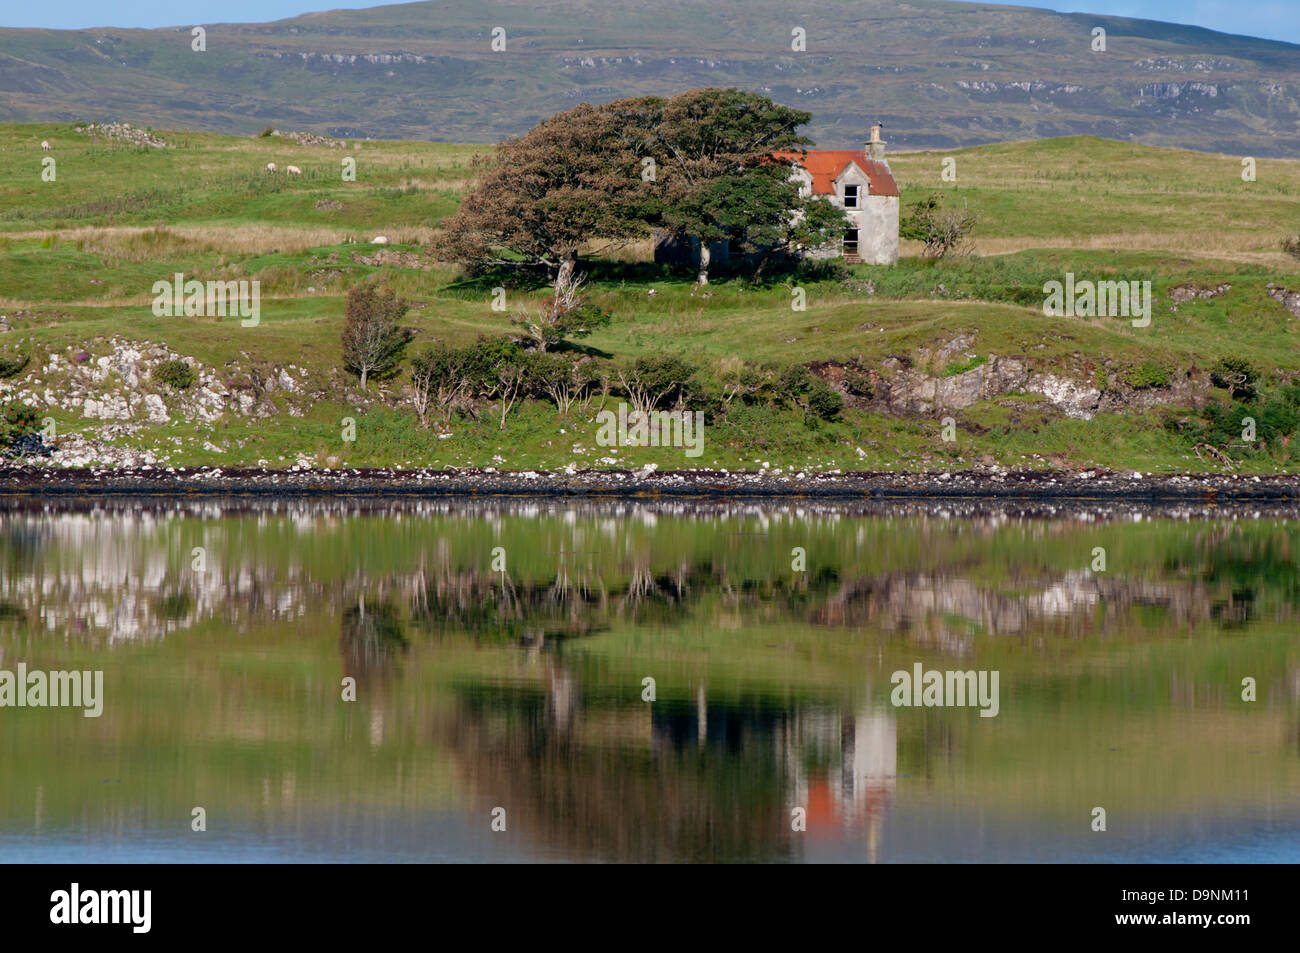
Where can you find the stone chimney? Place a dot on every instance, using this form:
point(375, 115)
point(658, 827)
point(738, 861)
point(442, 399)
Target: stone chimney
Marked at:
point(875, 146)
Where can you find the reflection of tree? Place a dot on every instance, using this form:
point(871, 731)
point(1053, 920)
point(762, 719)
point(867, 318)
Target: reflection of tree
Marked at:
point(639, 793)
point(567, 604)
point(175, 606)
point(1247, 563)
point(21, 544)
point(370, 640)
point(690, 777)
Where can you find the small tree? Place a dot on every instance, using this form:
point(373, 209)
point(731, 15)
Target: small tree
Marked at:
point(442, 377)
point(941, 230)
point(560, 379)
point(654, 381)
point(512, 377)
point(563, 315)
point(373, 341)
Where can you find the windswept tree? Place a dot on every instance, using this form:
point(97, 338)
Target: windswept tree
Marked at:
point(717, 176)
point(373, 339)
point(572, 178)
point(699, 165)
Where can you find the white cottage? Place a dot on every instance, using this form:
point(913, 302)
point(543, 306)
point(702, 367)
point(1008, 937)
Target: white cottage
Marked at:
point(860, 182)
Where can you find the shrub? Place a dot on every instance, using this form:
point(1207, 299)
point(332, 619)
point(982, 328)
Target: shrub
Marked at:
point(1237, 376)
point(823, 402)
point(1147, 374)
point(809, 393)
point(561, 380)
point(857, 380)
point(11, 365)
point(563, 315)
point(660, 381)
point(176, 374)
point(1277, 421)
point(445, 378)
point(942, 231)
point(17, 420)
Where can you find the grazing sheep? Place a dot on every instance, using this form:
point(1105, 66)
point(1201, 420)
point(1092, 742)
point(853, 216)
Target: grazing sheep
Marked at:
point(270, 167)
point(379, 240)
point(293, 170)
point(45, 146)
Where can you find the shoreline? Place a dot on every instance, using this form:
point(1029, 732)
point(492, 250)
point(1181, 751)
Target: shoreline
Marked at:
point(471, 483)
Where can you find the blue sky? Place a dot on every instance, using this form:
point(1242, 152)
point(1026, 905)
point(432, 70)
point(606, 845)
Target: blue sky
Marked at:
point(1275, 19)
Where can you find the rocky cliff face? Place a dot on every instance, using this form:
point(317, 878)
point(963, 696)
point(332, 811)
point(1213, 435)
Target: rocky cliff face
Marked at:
point(905, 385)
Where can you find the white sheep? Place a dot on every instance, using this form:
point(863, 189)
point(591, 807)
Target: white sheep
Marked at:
point(45, 145)
point(293, 170)
point(379, 240)
point(270, 167)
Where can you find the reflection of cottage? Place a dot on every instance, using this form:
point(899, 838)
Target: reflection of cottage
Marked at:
point(859, 181)
point(853, 785)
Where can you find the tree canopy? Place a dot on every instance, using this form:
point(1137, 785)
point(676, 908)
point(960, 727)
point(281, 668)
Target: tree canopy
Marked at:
point(698, 165)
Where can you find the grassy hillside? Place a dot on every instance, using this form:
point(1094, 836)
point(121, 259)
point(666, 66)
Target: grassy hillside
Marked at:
point(938, 74)
point(79, 256)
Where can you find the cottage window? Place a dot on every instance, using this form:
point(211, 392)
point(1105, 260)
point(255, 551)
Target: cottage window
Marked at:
point(850, 241)
point(851, 196)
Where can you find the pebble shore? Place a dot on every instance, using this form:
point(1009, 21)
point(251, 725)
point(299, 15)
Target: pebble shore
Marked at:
point(993, 483)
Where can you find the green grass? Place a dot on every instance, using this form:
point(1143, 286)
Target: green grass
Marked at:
point(78, 259)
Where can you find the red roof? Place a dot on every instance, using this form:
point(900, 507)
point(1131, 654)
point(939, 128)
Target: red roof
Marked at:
point(825, 165)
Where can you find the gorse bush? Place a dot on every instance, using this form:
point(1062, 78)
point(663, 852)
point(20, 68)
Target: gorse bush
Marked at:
point(12, 364)
point(1147, 374)
point(176, 374)
point(809, 393)
point(1237, 376)
point(500, 372)
point(1226, 426)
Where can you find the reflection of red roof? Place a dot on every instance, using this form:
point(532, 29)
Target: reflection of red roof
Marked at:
point(826, 164)
point(822, 812)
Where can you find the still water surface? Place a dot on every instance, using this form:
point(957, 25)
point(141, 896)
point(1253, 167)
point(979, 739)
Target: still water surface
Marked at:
point(225, 633)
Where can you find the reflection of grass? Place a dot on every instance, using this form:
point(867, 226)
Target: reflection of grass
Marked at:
point(226, 710)
point(970, 626)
